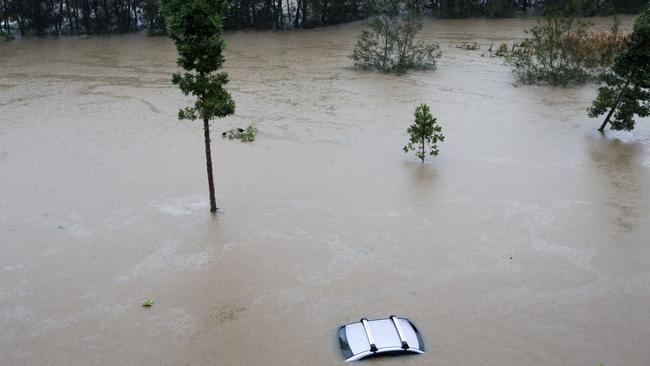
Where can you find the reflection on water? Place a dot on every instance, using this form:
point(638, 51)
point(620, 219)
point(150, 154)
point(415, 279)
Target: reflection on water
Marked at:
point(619, 158)
point(522, 244)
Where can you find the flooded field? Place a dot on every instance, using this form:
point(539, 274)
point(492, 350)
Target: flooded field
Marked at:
point(524, 243)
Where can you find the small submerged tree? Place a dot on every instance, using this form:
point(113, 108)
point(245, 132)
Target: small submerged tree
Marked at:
point(196, 26)
point(424, 134)
point(389, 44)
point(627, 84)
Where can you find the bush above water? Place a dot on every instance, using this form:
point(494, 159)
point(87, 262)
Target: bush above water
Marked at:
point(563, 51)
point(245, 135)
point(390, 45)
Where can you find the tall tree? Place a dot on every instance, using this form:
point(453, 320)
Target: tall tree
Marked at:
point(196, 26)
point(627, 84)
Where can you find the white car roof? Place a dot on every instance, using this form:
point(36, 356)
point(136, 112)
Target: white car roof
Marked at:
point(392, 335)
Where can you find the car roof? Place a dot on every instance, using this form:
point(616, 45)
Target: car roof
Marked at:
point(379, 336)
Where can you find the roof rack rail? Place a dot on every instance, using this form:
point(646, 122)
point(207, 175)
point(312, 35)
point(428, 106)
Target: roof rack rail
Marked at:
point(371, 339)
point(400, 333)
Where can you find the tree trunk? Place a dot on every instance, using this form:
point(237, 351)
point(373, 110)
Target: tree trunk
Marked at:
point(135, 16)
point(296, 19)
point(76, 16)
point(69, 16)
point(611, 111)
point(288, 14)
point(423, 151)
point(385, 59)
point(208, 162)
point(5, 10)
point(97, 20)
point(21, 25)
point(55, 18)
point(85, 16)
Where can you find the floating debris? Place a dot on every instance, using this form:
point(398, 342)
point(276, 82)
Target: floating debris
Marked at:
point(147, 303)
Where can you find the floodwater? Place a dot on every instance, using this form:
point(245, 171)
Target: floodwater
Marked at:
point(524, 243)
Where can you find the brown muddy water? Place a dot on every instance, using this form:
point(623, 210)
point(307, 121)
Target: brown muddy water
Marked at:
point(524, 243)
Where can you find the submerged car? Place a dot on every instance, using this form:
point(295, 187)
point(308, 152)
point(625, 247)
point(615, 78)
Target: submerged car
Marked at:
point(390, 336)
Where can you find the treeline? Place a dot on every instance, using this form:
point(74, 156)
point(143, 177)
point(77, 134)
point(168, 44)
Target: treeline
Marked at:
point(41, 17)
point(509, 8)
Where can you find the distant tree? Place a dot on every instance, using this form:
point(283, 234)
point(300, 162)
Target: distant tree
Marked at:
point(196, 26)
point(627, 84)
point(390, 43)
point(424, 134)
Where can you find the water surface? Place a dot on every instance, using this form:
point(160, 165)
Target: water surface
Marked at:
point(524, 243)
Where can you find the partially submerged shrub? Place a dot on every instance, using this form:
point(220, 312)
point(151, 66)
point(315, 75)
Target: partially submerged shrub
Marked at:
point(389, 44)
point(561, 51)
point(601, 47)
point(550, 54)
point(245, 135)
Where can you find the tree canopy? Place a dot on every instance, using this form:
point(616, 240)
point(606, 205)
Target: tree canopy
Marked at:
point(626, 89)
point(196, 26)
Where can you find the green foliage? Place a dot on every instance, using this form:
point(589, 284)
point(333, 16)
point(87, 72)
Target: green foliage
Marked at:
point(196, 27)
point(147, 303)
point(590, 53)
point(626, 92)
point(389, 45)
point(562, 51)
point(424, 133)
point(550, 54)
point(247, 135)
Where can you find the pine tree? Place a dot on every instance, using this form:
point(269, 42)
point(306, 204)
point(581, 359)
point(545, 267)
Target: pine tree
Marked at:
point(626, 91)
point(196, 26)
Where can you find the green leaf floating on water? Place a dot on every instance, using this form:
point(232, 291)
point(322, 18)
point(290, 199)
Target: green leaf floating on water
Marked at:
point(147, 303)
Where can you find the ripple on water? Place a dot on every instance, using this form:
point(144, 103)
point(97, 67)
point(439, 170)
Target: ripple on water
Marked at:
point(167, 258)
point(182, 206)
